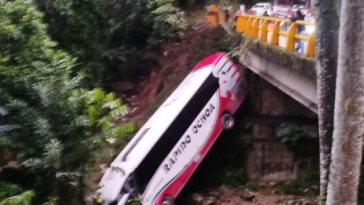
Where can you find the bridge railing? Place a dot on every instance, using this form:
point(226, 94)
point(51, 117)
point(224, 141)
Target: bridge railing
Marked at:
point(258, 27)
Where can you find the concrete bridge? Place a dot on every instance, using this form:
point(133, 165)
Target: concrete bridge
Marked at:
point(269, 50)
point(269, 45)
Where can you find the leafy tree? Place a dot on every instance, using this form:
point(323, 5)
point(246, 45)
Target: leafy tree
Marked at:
point(111, 37)
point(167, 18)
point(56, 126)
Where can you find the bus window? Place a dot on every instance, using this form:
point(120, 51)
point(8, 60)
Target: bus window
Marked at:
point(207, 90)
point(202, 96)
point(145, 171)
point(147, 168)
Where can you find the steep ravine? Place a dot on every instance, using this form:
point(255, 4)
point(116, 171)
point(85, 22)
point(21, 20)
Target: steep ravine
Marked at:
point(220, 179)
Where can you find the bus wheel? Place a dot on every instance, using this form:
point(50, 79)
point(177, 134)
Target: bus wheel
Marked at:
point(227, 121)
point(167, 200)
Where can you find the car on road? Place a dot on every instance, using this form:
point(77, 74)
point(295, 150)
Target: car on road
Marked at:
point(258, 9)
point(262, 7)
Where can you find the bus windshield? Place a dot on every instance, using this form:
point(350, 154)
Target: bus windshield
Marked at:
point(129, 190)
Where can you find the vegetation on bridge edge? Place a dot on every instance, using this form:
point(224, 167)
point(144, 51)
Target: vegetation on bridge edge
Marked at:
point(280, 56)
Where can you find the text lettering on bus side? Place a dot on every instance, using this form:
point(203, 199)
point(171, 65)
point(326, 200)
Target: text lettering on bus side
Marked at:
point(187, 139)
point(228, 77)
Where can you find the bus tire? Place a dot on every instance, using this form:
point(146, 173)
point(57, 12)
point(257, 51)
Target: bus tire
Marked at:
point(167, 200)
point(227, 121)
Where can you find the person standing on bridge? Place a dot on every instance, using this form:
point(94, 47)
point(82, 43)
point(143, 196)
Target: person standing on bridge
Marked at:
point(298, 16)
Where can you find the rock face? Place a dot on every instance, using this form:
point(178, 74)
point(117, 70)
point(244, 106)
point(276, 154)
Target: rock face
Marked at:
point(225, 195)
point(225, 190)
point(211, 200)
point(196, 199)
point(247, 195)
point(199, 199)
point(269, 159)
point(290, 202)
point(214, 193)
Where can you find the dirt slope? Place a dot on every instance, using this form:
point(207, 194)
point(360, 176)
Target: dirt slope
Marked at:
point(176, 60)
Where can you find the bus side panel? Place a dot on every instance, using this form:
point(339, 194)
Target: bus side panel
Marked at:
point(179, 182)
point(231, 93)
point(175, 167)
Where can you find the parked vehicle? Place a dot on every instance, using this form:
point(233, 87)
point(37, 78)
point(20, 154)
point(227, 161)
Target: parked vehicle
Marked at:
point(286, 8)
point(159, 160)
point(281, 11)
point(260, 8)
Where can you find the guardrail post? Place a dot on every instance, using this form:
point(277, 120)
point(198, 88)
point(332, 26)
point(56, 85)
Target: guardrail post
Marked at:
point(291, 41)
point(275, 33)
point(245, 20)
point(252, 26)
point(255, 26)
point(310, 50)
point(264, 30)
point(248, 27)
point(240, 24)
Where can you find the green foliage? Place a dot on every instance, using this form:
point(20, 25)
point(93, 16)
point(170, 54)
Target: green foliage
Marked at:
point(57, 127)
point(233, 176)
point(8, 190)
point(224, 43)
point(252, 185)
point(289, 133)
point(245, 134)
point(188, 3)
point(134, 202)
point(111, 37)
point(306, 184)
point(21, 199)
point(51, 201)
point(233, 173)
point(167, 18)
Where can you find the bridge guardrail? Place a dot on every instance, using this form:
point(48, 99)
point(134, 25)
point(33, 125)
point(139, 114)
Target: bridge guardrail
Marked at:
point(257, 27)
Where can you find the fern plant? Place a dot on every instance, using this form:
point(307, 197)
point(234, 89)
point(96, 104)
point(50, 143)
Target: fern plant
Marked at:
point(168, 19)
point(21, 199)
point(289, 133)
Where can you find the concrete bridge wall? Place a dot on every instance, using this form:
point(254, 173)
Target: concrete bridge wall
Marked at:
point(267, 158)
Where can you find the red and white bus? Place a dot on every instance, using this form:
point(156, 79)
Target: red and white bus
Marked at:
point(162, 156)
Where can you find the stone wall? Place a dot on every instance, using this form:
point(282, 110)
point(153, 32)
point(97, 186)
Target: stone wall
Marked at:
point(267, 158)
